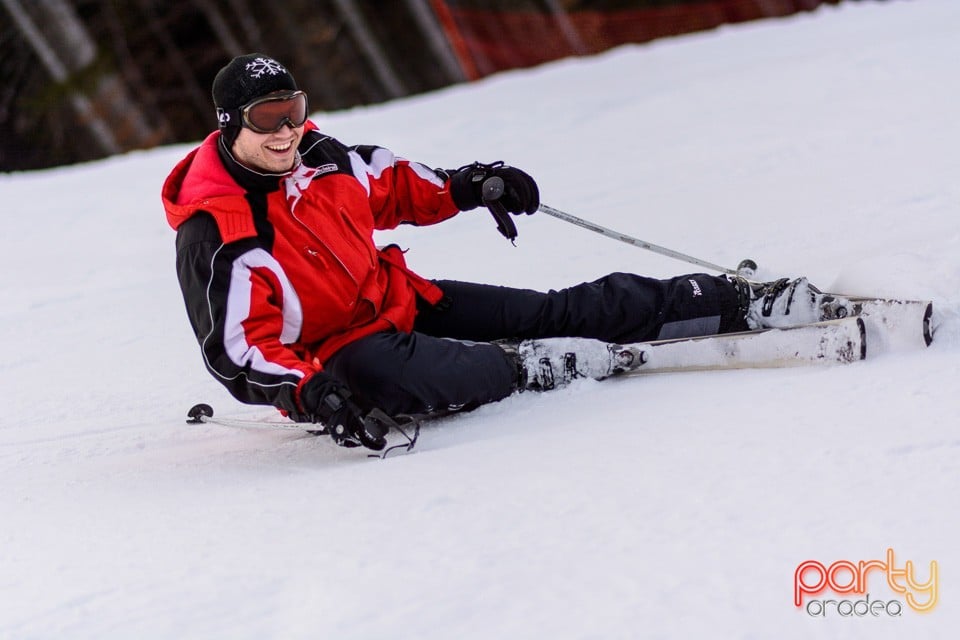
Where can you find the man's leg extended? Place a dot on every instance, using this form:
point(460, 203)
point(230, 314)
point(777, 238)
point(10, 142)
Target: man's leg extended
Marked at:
point(620, 307)
point(415, 373)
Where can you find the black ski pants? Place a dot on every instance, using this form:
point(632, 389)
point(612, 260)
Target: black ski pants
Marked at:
point(447, 362)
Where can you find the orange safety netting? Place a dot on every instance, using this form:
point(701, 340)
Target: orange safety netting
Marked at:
point(490, 40)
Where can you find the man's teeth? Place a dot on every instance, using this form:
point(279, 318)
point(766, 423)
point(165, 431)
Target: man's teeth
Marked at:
point(280, 148)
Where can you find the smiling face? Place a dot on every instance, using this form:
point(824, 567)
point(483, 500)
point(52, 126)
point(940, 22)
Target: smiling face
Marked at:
point(269, 152)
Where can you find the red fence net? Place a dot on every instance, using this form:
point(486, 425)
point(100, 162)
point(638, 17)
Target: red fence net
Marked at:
point(523, 34)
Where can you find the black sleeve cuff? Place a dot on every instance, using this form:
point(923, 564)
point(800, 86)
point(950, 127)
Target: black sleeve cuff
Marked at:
point(464, 192)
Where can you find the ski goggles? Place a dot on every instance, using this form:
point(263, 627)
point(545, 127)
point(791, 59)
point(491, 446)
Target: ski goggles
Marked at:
point(271, 112)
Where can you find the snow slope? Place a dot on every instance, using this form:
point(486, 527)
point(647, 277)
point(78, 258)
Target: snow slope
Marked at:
point(676, 506)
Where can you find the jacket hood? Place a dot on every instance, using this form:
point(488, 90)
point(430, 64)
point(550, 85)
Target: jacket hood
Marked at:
point(200, 181)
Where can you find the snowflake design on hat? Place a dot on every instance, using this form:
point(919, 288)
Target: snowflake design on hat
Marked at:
point(259, 66)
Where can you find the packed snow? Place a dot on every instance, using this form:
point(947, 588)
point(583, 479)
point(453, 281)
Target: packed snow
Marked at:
point(669, 506)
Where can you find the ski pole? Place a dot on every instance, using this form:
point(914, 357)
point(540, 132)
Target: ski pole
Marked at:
point(376, 421)
point(622, 237)
point(493, 189)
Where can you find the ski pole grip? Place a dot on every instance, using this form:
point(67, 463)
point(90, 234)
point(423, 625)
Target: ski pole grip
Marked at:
point(377, 423)
point(492, 188)
point(491, 191)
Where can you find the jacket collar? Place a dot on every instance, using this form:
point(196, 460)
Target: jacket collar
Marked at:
point(251, 179)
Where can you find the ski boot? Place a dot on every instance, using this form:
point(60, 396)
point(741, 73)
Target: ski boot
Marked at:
point(787, 303)
point(549, 363)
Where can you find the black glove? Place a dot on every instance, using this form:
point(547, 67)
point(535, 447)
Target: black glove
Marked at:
point(326, 400)
point(520, 192)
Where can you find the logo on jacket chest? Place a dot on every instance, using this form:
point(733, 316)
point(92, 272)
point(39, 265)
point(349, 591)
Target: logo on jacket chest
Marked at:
point(297, 182)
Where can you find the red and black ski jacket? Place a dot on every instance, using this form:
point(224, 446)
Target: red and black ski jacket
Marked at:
point(279, 272)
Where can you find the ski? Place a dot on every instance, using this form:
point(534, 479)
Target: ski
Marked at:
point(838, 341)
point(892, 324)
point(549, 363)
point(883, 324)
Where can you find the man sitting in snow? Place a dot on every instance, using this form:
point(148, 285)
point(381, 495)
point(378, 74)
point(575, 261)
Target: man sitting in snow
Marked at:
point(294, 306)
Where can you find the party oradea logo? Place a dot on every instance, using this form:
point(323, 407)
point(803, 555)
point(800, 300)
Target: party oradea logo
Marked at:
point(867, 588)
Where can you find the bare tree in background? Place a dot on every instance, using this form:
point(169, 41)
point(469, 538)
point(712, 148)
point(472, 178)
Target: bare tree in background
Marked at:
point(63, 45)
point(82, 79)
point(370, 48)
point(218, 23)
point(436, 39)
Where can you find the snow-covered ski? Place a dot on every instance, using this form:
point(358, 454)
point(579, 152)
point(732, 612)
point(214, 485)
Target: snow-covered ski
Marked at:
point(554, 362)
point(892, 324)
point(835, 341)
point(883, 324)
point(875, 326)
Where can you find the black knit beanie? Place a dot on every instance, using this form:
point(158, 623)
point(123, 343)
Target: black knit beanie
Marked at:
point(244, 79)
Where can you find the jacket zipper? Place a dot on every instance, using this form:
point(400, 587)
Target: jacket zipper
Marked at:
point(356, 282)
point(327, 247)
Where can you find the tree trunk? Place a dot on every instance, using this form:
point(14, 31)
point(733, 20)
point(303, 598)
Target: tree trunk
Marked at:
point(65, 48)
point(370, 48)
point(220, 27)
point(436, 39)
point(200, 98)
point(566, 28)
